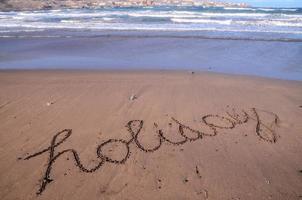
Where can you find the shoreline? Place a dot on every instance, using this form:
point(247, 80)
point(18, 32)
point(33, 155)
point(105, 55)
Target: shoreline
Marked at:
point(145, 71)
point(155, 34)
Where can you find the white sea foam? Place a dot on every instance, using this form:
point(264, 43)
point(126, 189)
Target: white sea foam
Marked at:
point(289, 9)
point(281, 23)
point(155, 14)
point(180, 20)
point(261, 9)
point(251, 15)
point(238, 8)
point(266, 9)
point(241, 20)
point(108, 18)
point(194, 14)
point(183, 14)
point(70, 21)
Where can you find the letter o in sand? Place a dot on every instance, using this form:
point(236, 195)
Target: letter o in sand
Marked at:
point(111, 160)
point(217, 121)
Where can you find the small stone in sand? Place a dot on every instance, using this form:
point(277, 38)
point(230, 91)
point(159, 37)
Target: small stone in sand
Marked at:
point(132, 97)
point(197, 171)
point(49, 103)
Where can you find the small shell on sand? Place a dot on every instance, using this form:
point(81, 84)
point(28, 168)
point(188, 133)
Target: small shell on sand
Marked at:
point(206, 195)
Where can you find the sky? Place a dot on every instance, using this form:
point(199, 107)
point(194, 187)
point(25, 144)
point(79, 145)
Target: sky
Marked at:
point(270, 3)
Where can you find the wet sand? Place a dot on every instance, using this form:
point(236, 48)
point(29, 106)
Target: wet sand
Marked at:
point(182, 136)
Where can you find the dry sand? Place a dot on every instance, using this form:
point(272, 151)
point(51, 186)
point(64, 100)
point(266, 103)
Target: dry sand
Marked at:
point(255, 154)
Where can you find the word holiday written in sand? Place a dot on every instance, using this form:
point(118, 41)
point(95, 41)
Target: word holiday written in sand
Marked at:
point(263, 129)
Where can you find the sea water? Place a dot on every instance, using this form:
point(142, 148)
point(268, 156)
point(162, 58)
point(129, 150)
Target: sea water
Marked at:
point(259, 23)
point(254, 41)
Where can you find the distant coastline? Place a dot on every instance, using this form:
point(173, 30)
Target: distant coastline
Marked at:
point(17, 5)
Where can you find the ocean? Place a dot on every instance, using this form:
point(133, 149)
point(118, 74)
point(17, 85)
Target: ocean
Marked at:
point(253, 41)
point(242, 23)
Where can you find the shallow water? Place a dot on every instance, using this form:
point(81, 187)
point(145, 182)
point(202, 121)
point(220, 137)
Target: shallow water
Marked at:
point(261, 58)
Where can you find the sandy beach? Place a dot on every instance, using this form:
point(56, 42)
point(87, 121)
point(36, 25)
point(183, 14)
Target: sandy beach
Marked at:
point(149, 135)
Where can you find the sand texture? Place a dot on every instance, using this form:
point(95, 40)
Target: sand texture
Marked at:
point(149, 135)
